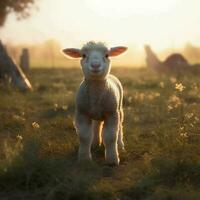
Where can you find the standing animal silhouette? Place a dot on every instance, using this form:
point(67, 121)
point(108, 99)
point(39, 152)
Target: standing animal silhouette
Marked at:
point(99, 111)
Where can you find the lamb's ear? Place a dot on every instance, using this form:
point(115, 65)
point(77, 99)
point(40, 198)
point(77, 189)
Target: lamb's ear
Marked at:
point(115, 51)
point(73, 53)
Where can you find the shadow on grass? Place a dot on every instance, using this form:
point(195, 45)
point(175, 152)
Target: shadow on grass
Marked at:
point(28, 174)
point(167, 180)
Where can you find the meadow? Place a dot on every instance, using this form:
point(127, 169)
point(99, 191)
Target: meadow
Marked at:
point(38, 143)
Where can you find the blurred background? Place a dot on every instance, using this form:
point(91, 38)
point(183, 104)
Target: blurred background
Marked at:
point(38, 142)
point(170, 26)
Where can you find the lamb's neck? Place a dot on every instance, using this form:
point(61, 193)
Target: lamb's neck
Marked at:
point(96, 84)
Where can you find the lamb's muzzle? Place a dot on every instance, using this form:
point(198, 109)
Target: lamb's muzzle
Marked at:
point(99, 112)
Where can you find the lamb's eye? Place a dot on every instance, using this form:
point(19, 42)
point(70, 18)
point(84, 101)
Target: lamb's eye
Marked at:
point(106, 55)
point(84, 55)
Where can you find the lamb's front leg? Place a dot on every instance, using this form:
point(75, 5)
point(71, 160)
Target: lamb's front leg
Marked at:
point(97, 127)
point(110, 136)
point(84, 129)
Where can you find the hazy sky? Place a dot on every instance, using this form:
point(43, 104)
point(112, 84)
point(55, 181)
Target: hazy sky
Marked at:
point(162, 23)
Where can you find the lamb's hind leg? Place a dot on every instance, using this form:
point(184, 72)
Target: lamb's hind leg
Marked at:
point(110, 136)
point(120, 135)
point(97, 129)
point(84, 129)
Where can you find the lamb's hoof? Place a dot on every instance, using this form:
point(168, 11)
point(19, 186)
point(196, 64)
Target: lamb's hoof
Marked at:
point(112, 163)
point(122, 150)
point(84, 159)
point(121, 146)
point(96, 143)
point(83, 163)
point(107, 171)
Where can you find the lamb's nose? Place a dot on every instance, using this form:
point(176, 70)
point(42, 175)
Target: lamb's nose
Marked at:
point(95, 65)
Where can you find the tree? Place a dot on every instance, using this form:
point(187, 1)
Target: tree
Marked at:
point(20, 7)
point(8, 67)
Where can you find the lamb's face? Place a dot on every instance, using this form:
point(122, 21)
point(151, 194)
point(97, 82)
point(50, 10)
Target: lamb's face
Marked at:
point(95, 60)
point(95, 63)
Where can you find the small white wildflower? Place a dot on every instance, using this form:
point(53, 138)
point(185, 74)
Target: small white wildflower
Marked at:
point(35, 125)
point(19, 137)
point(162, 85)
point(175, 101)
point(189, 115)
point(195, 87)
point(157, 94)
point(55, 106)
point(150, 97)
point(179, 87)
point(169, 108)
point(130, 99)
point(18, 118)
point(141, 96)
point(64, 107)
point(184, 135)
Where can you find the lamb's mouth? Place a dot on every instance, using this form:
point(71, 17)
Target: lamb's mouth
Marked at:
point(96, 71)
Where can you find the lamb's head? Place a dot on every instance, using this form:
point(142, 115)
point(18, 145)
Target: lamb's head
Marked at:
point(95, 60)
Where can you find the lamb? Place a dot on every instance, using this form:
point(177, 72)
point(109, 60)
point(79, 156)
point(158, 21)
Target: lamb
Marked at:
point(99, 111)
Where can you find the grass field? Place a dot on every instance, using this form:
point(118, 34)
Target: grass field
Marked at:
point(38, 144)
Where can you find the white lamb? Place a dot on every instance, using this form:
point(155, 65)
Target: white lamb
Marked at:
point(98, 101)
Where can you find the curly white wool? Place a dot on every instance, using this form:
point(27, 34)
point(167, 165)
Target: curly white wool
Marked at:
point(99, 112)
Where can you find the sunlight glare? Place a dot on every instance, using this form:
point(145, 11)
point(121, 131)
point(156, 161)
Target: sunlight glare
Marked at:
point(124, 8)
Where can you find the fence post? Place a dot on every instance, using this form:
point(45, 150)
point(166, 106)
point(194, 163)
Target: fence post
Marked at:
point(24, 60)
point(8, 68)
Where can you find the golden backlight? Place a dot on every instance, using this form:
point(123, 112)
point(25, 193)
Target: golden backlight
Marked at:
point(133, 23)
point(124, 8)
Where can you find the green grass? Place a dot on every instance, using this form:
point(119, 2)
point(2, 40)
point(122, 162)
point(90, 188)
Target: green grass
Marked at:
point(38, 144)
